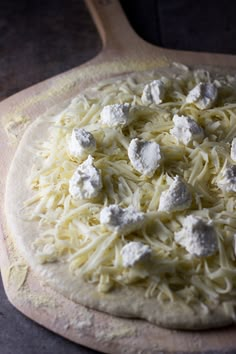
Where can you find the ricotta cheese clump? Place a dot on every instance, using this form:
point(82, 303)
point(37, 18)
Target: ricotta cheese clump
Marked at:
point(81, 143)
point(86, 182)
point(228, 182)
point(116, 115)
point(145, 156)
point(177, 197)
point(134, 252)
point(121, 220)
point(197, 236)
point(153, 92)
point(233, 150)
point(203, 95)
point(186, 130)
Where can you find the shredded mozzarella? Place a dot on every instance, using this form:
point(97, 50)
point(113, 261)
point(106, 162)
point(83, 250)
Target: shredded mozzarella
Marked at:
point(74, 233)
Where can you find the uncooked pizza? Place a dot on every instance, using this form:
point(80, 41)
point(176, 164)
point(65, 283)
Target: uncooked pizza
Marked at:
point(125, 200)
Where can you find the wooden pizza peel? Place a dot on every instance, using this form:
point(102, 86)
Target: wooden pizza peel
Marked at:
point(123, 52)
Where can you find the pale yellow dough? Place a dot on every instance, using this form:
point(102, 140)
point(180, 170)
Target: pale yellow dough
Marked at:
point(128, 300)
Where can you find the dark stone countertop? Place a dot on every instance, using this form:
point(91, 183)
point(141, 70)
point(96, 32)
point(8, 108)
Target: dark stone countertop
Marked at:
point(40, 39)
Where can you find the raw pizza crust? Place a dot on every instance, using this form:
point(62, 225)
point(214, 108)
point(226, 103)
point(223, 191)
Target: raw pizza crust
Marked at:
point(127, 301)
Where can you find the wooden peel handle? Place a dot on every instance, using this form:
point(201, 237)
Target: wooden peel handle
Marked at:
point(113, 26)
point(119, 40)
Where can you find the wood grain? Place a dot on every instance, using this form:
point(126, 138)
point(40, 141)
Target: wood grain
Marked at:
point(123, 52)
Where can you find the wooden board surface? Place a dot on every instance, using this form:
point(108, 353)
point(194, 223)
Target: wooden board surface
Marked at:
point(123, 52)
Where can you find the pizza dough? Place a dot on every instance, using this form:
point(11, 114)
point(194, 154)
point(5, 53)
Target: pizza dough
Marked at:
point(62, 239)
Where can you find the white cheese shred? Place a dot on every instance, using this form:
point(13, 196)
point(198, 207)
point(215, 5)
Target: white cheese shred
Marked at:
point(68, 205)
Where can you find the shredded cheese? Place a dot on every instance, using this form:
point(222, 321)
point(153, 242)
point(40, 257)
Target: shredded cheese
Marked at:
point(74, 233)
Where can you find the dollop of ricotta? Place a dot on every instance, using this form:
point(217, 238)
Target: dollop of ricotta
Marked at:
point(203, 95)
point(82, 143)
point(145, 156)
point(178, 197)
point(153, 92)
point(197, 236)
point(121, 220)
point(186, 130)
point(86, 182)
point(116, 115)
point(134, 252)
point(228, 181)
